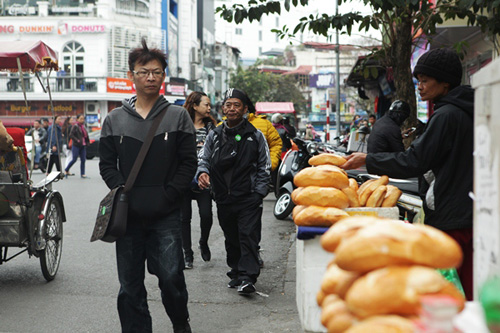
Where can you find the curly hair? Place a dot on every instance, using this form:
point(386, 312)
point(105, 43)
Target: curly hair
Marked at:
point(194, 99)
point(143, 55)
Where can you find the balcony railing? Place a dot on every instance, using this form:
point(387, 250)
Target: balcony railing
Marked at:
point(57, 84)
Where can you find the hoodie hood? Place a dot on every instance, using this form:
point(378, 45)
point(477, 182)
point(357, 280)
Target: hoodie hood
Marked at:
point(462, 97)
point(129, 106)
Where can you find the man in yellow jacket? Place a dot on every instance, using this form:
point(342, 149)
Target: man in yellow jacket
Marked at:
point(271, 134)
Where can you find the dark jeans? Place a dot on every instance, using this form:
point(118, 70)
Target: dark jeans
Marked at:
point(54, 159)
point(241, 224)
point(158, 243)
point(75, 153)
point(464, 238)
point(204, 200)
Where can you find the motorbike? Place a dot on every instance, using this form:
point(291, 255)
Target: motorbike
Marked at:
point(292, 163)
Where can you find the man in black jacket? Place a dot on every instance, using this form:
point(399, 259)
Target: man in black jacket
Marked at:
point(154, 224)
point(236, 164)
point(385, 135)
point(441, 156)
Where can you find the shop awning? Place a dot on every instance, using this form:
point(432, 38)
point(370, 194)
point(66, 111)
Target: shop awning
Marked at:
point(33, 55)
point(274, 107)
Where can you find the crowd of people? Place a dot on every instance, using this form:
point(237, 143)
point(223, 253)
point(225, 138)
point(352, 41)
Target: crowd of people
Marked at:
point(232, 163)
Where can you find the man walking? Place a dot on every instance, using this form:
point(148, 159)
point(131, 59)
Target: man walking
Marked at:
point(235, 162)
point(386, 135)
point(154, 225)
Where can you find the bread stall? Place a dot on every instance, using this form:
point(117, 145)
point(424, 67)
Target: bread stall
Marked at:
point(361, 269)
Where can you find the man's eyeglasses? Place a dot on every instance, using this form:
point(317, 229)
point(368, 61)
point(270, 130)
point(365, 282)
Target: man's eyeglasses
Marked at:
point(143, 74)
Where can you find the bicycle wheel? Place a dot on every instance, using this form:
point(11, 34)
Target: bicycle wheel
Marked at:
point(53, 236)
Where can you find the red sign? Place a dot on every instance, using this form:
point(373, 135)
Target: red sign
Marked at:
point(124, 86)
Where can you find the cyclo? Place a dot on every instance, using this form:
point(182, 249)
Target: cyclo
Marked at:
point(31, 215)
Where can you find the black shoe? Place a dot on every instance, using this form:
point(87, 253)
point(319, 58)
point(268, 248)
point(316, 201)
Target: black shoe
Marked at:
point(259, 259)
point(182, 328)
point(246, 288)
point(188, 262)
point(234, 283)
point(205, 251)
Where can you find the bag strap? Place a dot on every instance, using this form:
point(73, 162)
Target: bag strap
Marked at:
point(142, 153)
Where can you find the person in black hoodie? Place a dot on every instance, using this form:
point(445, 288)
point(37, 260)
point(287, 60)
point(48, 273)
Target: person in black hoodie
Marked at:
point(385, 135)
point(441, 156)
point(154, 224)
point(236, 164)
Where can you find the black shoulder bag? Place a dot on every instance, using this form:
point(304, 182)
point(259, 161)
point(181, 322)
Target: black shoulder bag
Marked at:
point(111, 221)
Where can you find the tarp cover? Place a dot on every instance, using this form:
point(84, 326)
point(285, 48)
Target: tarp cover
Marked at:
point(274, 107)
point(34, 56)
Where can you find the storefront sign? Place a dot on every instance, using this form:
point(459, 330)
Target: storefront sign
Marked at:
point(116, 85)
point(88, 28)
point(18, 108)
point(36, 29)
point(322, 80)
point(124, 86)
point(71, 9)
point(177, 90)
point(6, 29)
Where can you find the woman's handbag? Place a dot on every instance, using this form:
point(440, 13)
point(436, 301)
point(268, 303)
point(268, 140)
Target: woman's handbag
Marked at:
point(111, 221)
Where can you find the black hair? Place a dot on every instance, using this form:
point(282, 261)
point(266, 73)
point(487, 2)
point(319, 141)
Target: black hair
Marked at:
point(143, 55)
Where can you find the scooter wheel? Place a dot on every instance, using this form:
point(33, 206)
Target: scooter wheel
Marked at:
point(283, 206)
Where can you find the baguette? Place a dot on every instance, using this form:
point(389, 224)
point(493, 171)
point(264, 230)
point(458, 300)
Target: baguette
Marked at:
point(392, 196)
point(345, 229)
point(397, 290)
point(384, 324)
point(322, 175)
point(335, 316)
point(377, 197)
point(337, 281)
point(317, 216)
point(326, 158)
point(352, 196)
point(388, 243)
point(320, 196)
point(353, 184)
point(368, 190)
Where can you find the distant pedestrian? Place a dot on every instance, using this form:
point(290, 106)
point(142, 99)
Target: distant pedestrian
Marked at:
point(277, 120)
point(153, 238)
point(372, 119)
point(39, 137)
point(386, 134)
point(198, 106)
point(67, 143)
point(292, 132)
point(80, 141)
point(54, 144)
point(236, 164)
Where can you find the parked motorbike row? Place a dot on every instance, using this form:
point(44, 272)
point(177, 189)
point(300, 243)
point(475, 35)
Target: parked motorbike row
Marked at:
point(294, 161)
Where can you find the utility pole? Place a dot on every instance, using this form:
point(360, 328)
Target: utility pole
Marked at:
point(337, 111)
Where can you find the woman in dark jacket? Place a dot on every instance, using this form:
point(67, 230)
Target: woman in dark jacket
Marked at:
point(80, 138)
point(198, 106)
point(441, 156)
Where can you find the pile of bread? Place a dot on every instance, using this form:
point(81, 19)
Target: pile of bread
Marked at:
point(380, 271)
point(324, 190)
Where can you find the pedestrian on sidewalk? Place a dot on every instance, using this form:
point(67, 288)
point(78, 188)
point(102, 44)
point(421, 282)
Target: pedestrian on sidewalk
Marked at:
point(54, 144)
point(80, 140)
point(441, 156)
point(67, 143)
point(235, 162)
point(198, 106)
point(153, 233)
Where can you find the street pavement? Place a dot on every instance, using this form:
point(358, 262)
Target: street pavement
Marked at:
point(82, 298)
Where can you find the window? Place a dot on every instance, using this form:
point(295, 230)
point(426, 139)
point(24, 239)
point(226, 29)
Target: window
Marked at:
point(277, 22)
point(260, 50)
point(260, 35)
point(239, 31)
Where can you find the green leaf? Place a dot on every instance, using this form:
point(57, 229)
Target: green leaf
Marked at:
point(287, 5)
point(374, 72)
point(366, 73)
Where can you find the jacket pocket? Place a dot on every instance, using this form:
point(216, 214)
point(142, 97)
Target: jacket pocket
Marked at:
point(149, 202)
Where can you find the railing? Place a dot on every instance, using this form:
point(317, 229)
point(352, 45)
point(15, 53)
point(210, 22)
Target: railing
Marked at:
point(57, 84)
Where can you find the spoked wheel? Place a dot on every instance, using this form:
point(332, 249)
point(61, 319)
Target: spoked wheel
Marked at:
point(283, 206)
point(53, 236)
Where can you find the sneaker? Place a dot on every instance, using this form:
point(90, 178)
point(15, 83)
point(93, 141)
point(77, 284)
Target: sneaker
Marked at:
point(182, 328)
point(188, 262)
point(234, 283)
point(246, 288)
point(259, 259)
point(205, 251)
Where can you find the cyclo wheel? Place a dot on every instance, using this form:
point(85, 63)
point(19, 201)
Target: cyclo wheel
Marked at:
point(53, 236)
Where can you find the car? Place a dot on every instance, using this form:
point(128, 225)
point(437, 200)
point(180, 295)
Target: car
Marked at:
point(93, 148)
